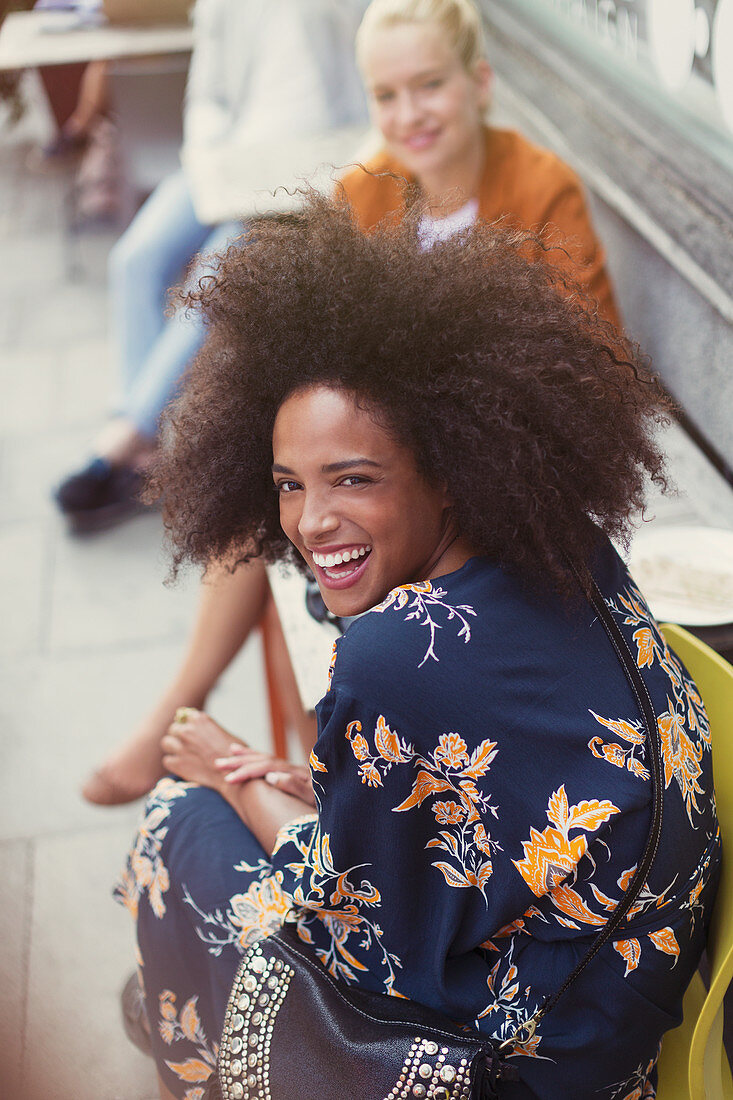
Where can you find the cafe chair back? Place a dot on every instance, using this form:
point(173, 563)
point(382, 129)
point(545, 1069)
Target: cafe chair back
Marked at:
point(693, 1064)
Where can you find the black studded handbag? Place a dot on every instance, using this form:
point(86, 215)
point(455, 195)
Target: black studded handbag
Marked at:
point(293, 1032)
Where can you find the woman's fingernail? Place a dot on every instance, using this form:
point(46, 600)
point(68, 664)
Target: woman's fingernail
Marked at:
point(273, 778)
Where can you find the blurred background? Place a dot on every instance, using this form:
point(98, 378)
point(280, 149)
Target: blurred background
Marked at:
point(636, 95)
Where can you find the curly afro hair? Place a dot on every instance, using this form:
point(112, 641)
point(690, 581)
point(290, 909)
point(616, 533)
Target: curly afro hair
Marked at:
point(490, 366)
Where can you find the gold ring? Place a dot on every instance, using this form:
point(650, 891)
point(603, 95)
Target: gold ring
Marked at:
point(183, 714)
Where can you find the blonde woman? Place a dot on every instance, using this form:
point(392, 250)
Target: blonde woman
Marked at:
point(429, 84)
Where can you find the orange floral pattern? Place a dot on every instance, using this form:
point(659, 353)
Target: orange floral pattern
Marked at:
point(390, 750)
point(684, 729)
point(340, 906)
point(145, 871)
point(552, 855)
point(315, 763)
point(681, 757)
point(331, 663)
point(448, 771)
point(332, 896)
point(614, 753)
point(250, 916)
point(512, 1004)
point(638, 1085)
point(186, 1025)
point(698, 881)
point(550, 867)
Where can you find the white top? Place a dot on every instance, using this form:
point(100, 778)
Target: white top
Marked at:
point(431, 230)
point(273, 97)
point(267, 70)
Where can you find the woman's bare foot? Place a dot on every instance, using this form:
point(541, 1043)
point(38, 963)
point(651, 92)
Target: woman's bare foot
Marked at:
point(126, 776)
point(134, 768)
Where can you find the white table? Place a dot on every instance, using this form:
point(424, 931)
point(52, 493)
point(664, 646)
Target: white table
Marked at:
point(149, 66)
point(33, 38)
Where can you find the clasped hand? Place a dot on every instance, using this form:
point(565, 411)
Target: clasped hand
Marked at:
point(199, 750)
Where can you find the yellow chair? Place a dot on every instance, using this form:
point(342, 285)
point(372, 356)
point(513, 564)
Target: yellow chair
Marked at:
point(693, 1064)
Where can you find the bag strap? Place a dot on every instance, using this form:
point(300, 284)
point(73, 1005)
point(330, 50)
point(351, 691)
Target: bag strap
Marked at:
point(526, 1030)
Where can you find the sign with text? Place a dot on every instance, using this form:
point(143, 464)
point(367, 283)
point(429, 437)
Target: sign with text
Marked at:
point(681, 42)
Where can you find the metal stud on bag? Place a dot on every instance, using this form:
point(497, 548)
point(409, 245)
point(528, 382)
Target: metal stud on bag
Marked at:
point(256, 999)
point(244, 1063)
point(426, 1073)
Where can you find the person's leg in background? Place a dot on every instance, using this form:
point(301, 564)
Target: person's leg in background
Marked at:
point(150, 390)
point(149, 258)
point(62, 84)
point(92, 102)
point(230, 606)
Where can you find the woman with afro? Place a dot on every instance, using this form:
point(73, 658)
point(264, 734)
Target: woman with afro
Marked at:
point(447, 439)
point(429, 85)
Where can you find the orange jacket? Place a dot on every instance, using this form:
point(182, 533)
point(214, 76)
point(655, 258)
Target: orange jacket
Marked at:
point(522, 182)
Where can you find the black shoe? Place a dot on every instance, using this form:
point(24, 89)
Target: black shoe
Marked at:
point(64, 145)
point(132, 1003)
point(100, 495)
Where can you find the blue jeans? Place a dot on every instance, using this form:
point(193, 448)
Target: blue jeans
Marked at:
point(150, 257)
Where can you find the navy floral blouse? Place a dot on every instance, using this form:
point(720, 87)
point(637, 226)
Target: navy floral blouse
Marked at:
point(484, 799)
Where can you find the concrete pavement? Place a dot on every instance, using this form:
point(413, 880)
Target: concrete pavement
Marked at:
point(88, 633)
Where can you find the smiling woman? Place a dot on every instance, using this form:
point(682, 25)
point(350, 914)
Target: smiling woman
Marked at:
point(436, 345)
point(429, 87)
point(428, 83)
point(375, 508)
point(452, 436)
